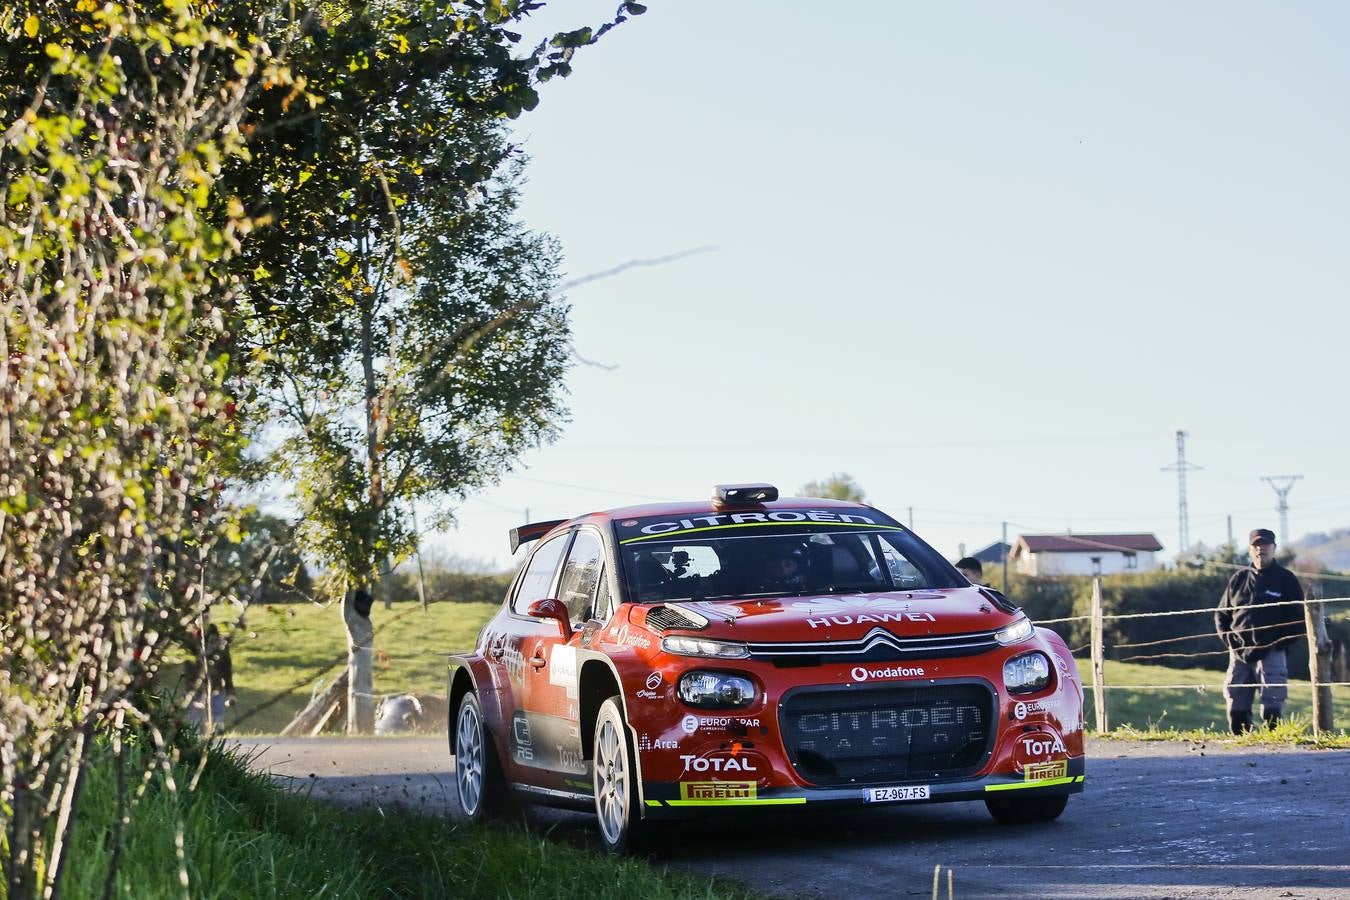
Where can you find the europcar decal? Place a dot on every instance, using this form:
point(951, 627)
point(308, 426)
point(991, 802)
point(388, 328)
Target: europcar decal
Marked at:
point(676, 527)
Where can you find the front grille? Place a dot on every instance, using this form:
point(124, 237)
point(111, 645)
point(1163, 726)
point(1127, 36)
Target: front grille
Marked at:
point(878, 645)
point(888, 733)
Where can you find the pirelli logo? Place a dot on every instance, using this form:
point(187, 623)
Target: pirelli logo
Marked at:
point(717, 790)
point(1046, 771)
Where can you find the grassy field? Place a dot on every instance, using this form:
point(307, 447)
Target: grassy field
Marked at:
point(288, 645)
point(243, 836)
point(286, 651)
point(1129, 704)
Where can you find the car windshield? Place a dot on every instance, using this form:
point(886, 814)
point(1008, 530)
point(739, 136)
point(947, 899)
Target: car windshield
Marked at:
point(789, 561)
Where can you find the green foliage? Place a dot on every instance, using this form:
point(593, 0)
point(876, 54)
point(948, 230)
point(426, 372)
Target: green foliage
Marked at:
point(839, 486)
point(244, 837)
point(257, 561)
point(115, 370)
point(403, 320)
point(285, 652)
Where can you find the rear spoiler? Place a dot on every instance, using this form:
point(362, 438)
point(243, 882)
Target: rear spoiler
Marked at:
point(526, 533)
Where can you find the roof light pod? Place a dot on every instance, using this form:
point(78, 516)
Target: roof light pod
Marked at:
point(743, 494)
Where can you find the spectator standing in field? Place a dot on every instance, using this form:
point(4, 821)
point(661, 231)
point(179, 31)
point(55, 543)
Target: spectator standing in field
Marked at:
point(210, 673)
point(972, 568)
point(1257, 628)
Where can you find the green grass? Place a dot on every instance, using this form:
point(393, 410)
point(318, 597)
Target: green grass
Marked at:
point(244, 837)
point(285, 645)
point(1192, 713)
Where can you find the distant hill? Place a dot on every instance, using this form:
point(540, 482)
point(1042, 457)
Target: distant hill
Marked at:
point(1332, 548)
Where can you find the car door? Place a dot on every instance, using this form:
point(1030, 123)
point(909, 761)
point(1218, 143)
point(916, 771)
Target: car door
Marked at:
point(551, 700)
point(512, 640)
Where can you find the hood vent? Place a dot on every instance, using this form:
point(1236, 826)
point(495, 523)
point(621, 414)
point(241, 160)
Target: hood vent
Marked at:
point(662, 618)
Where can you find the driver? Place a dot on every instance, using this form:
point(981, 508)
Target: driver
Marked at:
point(784, 569)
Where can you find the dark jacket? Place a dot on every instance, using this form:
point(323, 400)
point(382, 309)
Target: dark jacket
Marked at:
point(1250, 632)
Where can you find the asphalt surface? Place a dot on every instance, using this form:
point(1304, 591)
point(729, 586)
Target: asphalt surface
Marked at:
point(1157, 820)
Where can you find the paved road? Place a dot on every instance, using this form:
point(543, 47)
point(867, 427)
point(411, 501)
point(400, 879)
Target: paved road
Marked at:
point(1157, 820)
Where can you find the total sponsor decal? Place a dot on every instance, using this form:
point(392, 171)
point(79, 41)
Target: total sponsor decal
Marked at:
point(717, 764)
point(863, 673)
point(1042, 745)
point(1046, 771)
point(1064, 668)
point(718, 791)
point(692, 723)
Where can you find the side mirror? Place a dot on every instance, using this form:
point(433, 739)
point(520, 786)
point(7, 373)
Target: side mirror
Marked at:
point(552, 609)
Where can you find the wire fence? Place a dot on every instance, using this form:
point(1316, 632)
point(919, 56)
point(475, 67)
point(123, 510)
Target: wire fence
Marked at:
point(1315, 621)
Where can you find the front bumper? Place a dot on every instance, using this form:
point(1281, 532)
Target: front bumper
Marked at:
point(671, 798)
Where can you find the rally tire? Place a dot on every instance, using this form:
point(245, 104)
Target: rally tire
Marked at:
point(1025, 810)
point(618, 809)
point(480, 787)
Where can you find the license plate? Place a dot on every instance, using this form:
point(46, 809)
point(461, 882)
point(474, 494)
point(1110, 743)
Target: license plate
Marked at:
point(892, 794)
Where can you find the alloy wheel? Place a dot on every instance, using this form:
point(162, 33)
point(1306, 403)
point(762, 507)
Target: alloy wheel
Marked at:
point(469, 758)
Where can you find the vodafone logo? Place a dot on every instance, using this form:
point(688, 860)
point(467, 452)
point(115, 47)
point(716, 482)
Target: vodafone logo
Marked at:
point(862, 673)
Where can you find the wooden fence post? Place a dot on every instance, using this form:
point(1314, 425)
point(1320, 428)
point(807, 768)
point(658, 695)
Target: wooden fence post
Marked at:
point(1319, 665)
point(1098, 658)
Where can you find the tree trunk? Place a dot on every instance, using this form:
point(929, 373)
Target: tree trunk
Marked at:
point(360, 650)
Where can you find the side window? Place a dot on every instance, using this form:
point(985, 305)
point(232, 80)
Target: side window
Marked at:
point(580, 575)
point(904, 573)
point(602, 599)
point(538, 577)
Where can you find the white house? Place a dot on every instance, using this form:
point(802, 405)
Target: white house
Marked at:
point(1084, 554)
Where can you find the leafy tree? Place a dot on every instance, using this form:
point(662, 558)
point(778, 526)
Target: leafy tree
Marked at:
point(405, 323)
point(118, 422)
point(259, 561)
point(839, 486)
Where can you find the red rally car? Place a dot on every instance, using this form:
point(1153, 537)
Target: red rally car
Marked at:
point(659, 661)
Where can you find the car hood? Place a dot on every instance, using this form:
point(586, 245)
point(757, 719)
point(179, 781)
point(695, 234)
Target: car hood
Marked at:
point(844, 617)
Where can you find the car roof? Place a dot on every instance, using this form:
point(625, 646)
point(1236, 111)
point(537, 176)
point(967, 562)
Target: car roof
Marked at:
point(696, 507)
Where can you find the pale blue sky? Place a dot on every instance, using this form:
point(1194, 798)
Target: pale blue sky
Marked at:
point(986, 258)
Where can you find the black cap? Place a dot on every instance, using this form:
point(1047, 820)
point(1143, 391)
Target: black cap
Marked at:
point(1261, 536)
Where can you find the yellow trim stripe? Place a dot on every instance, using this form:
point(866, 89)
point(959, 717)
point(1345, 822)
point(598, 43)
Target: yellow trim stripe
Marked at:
point(773, 801)
point(683, 532)
point(653, 802)
point(1068, 779)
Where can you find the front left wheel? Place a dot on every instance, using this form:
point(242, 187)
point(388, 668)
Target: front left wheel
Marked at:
point(615, 781)
point(480, 786)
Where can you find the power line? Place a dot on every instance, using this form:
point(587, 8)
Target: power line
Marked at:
point(1181, 467)
point(1282, 484)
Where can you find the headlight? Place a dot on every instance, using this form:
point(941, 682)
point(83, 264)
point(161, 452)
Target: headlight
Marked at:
point(692, 646)
point(1015, 633)
point(1027, 674)
point(715, 690)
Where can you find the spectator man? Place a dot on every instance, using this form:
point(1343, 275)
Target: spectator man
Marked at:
point(972, 568)
point(1257, 628)
point(210, 673)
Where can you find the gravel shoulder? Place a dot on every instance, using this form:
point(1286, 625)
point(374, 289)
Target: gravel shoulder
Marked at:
point(1157, 819)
